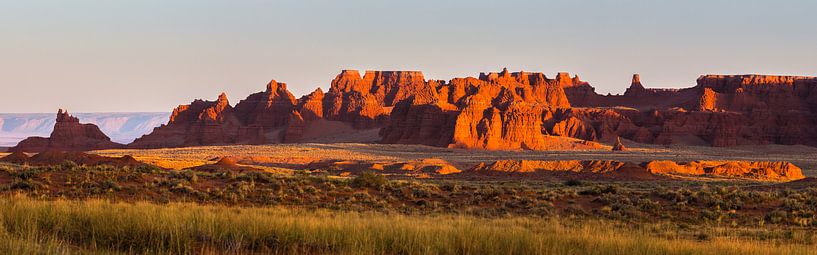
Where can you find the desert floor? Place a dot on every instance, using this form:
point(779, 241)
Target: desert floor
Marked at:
point(282, 154)
point(68, 208)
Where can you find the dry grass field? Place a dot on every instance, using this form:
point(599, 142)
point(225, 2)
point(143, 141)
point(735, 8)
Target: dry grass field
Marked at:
point(100, 227)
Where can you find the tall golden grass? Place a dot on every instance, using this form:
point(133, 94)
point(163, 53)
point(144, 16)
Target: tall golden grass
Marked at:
point(95, 226)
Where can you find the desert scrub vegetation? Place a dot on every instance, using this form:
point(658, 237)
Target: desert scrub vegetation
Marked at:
point(776, 213)
point(96, 226)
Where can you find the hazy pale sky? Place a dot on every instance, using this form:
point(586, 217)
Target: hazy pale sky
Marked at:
point(151, 55)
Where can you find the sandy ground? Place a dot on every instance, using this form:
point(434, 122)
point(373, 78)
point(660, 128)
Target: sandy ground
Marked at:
point(803, 156)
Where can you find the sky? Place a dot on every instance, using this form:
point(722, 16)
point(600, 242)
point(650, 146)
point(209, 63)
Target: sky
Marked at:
point(152, 55)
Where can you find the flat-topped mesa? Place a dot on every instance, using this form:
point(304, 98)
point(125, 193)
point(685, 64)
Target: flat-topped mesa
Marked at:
point(394, 78)
point(732, 82)
point(68, 135)
point(751, 92)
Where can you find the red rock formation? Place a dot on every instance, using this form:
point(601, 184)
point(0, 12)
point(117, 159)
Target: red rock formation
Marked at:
point(722, 110)
point(52, 157)
point(295, 129)
point(311, 106)
point(780, 171)
point(366, 102)
point(269, 109)
point(260, 118)
point(497, 111)
point(606, 169)
point(769, 171)
point(745, 93)
point(68, 135)
point(225, 164)
point(505, 110)
point(199, 123)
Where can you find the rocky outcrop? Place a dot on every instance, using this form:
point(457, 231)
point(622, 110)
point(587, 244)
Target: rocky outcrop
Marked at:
point(765, 171)
point(501, 110)
point(225, 164)
point(68, 135)
point(778, 171)
point(258, 119)
point(52, 158)
point(311, 106)
point(199, 123)
point(367, 101)
point(606, 169)
point(269, 109)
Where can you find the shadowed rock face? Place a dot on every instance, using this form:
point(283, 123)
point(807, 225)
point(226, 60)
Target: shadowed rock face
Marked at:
point(68, 135)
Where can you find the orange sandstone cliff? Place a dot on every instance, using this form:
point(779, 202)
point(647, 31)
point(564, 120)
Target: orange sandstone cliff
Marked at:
point(507, 110)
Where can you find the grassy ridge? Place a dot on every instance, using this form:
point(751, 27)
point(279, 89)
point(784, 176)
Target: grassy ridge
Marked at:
point(32, 226)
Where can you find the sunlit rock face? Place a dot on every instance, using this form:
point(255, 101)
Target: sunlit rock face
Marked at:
point(507, 110)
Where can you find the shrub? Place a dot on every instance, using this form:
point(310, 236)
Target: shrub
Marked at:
point(573, 182)
point(598, 190)
point(777, 216)
point(370, 180)
point(110, 185)
point(68, 165)
point(23, 185)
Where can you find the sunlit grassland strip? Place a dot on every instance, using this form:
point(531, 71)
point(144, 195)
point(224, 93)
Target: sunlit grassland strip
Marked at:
point(95, 226)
